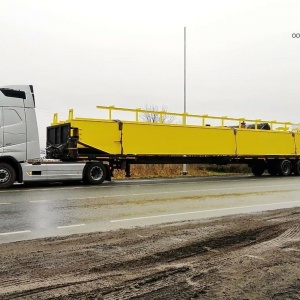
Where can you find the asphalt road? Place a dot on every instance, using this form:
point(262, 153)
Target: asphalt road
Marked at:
point(57, 210)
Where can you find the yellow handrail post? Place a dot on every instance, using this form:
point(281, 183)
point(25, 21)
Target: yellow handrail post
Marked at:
point(256, 123)
point(184, 118)
point(71, 114)
point(137, 114)
point(223, 120)
point(272, 124)
point(55, 118)
point(203, 119)
point(110, 108)
point(285, 126)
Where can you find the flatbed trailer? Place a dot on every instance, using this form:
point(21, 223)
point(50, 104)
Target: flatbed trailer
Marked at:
point(89, 150)
point(263, 145)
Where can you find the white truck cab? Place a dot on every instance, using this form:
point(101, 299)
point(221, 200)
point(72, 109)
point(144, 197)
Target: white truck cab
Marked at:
point(19, 138)
point(20, 150)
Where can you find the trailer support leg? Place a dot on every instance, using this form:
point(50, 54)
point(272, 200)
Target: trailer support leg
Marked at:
point(127, 169)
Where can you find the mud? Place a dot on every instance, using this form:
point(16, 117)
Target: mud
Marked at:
point(253, 256)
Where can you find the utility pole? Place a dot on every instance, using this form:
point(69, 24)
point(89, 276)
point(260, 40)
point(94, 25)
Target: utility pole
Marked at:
point(184, 170)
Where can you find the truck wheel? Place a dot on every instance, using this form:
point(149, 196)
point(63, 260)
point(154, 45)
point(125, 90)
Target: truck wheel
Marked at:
point(296, 168)
point(94, 173)
point(285, 168)
point(258, 169)
point(7, 175)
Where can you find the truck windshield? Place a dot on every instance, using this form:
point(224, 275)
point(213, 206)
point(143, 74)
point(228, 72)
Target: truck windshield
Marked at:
point(13, 93)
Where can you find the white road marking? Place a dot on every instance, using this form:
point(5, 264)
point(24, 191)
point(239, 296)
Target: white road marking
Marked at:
point(15, 232)
point(4, 203)
point(201, 211)
point(70, 226)
point(37, 201)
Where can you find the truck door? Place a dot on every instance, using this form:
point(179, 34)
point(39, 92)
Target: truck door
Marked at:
point(14, 132)
point(1, 131)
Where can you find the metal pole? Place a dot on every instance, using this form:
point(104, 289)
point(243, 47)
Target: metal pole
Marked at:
point(184, 108)
point(184, 170)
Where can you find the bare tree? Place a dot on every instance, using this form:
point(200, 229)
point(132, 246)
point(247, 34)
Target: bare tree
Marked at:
point(154, 115)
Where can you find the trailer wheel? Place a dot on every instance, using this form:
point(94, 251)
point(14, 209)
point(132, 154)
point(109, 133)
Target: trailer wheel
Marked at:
point(296, 168)
point(258, 169)
point(285, 168)
point(94, 173)
point(7, 175)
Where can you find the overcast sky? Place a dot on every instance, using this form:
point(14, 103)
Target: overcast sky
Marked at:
point(241, 58)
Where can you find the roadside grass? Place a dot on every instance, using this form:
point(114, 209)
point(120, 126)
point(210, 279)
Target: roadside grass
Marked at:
point(175, 170)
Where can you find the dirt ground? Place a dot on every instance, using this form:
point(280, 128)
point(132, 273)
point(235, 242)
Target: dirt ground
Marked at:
point(255, 256)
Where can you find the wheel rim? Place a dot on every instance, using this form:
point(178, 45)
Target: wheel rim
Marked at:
point(96, 173)
point(286, 168)
point(4, 176)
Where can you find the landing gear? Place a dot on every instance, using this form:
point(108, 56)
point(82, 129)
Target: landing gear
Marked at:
point(127, 170)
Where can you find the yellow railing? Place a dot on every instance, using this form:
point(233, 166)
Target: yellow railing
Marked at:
point(203, 119)
point(283, 126)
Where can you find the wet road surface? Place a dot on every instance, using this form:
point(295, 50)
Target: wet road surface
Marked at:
point(57, 210)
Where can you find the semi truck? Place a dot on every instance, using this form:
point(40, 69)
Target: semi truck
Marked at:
point(88, 150)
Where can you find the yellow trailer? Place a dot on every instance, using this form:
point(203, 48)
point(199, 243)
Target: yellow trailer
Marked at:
point(191, 138)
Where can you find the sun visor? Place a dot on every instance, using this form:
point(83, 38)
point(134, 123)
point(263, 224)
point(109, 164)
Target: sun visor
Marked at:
point(17, 95)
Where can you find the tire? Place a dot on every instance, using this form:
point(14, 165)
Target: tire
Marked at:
point(94, 173)
point(258, 169)
point(7, 175)
point(285, 168)
point(296, 168)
